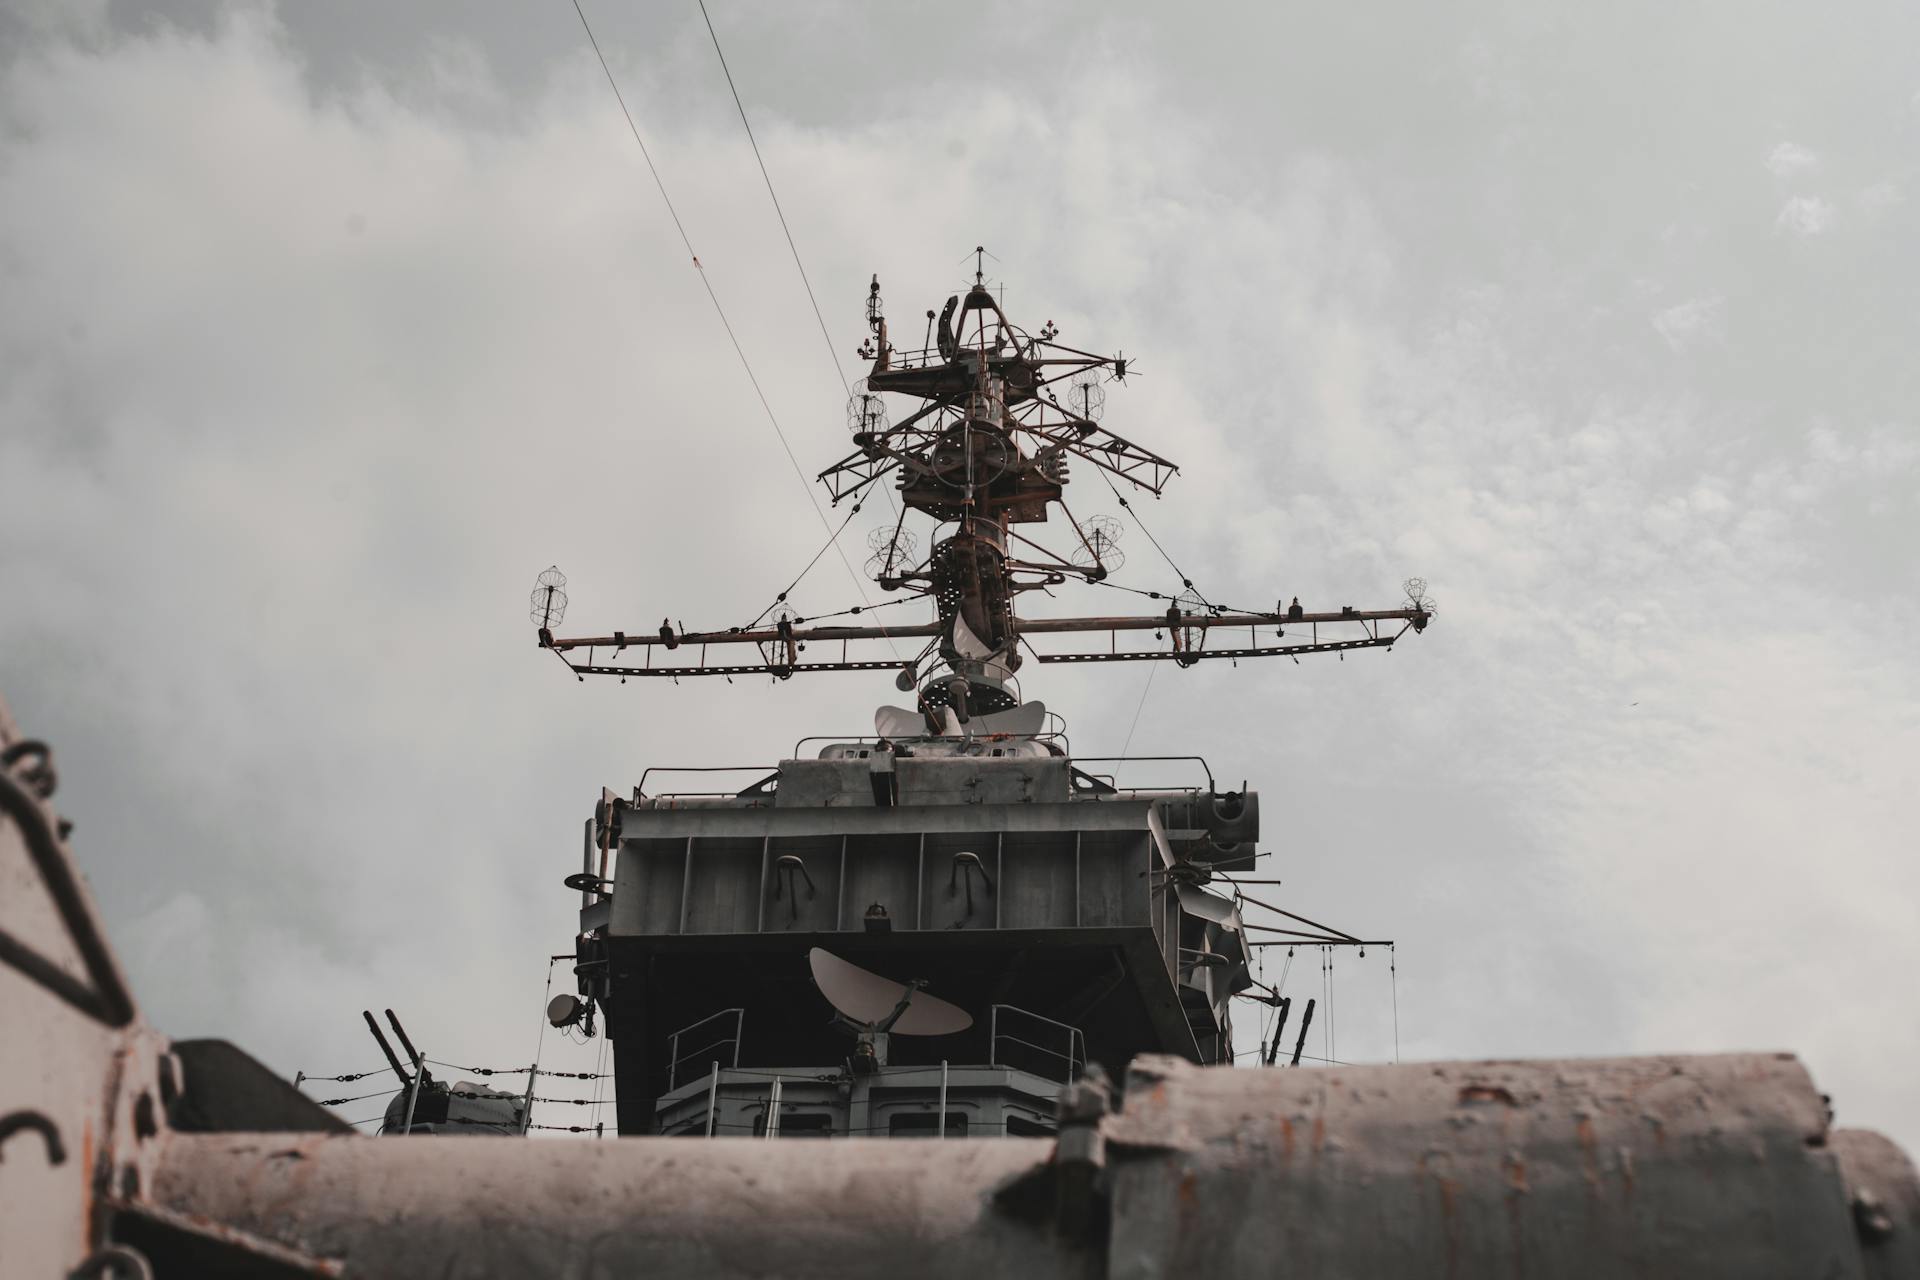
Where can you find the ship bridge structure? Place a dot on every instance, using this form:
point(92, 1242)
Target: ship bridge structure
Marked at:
point(1074, 922)
point(960, 854)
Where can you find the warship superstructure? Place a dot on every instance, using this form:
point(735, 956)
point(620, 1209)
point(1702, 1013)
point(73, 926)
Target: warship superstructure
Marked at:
point(929, 930)
point(937, 930)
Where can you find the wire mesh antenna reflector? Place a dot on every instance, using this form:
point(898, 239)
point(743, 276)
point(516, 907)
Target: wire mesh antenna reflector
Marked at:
point(1417, 597)
point(1190, 604)
point(1100, 544)
point(1086, 397)
point(893, 552)
point(547, 604)
point(866, 411)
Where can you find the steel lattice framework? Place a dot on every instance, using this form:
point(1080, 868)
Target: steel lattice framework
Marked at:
point(986, 450)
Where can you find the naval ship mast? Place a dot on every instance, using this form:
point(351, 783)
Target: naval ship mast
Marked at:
point(929, 931)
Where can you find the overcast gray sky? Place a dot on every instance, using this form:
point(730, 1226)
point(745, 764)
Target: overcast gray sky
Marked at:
point(325, 328)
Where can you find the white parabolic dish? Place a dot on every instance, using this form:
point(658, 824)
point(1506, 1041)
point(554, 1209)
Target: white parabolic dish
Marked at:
point(867, 998)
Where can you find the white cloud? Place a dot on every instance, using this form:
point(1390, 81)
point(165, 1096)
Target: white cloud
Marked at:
point(301, 388)
point(1805, 216)
point(1790, 159)
point(1683, 324)
point(1880, 197)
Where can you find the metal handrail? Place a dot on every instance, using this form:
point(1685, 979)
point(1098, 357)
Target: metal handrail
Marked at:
point(675, 1057)
point(1048, 736)
point(1200, 760)
point(640, 787)
point(1075, 1060)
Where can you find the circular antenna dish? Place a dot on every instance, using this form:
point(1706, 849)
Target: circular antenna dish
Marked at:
point(565, 1010)
point(1099, 547)
point(869, 999)
point(866, 410)
point(547, 605)
point(1417, 597)
point(893, 552)
point(1086, 397)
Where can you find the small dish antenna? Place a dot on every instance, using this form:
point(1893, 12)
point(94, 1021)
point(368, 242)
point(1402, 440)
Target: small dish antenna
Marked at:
point(1100, 544)
point(893, 552)
point(565, 1010)
point(1416, 589)
point(547, 605)
point(1188, 604)
point(866, 411)
point(873, 1005)
point(1086, 397)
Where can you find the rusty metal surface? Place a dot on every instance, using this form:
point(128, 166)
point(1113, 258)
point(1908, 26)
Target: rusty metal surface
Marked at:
point(1712, 1166)
point(74, 1060)
point(1696, 1166)
point(1884, 1193)
point(657, 1207)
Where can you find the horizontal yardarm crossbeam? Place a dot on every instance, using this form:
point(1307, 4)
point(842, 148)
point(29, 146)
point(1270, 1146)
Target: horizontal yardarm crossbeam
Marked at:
point(1139, 655)
point(1275, 651)
point(760, 669)
point(1026, 626)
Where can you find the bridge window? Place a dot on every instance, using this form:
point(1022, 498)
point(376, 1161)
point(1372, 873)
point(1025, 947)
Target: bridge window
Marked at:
point(796, 1126)
point(925, 1124)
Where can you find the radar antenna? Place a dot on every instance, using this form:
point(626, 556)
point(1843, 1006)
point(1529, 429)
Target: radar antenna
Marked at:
point(983, 449)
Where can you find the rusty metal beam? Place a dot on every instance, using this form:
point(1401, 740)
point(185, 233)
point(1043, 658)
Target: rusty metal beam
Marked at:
point(1027, 626)
point(1718, 1166)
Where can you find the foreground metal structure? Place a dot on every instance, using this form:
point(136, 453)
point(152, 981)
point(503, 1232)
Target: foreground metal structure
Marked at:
point(123, 1153)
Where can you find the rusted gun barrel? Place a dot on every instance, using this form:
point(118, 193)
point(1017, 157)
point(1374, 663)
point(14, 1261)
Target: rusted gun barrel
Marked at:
point(1697, 1166)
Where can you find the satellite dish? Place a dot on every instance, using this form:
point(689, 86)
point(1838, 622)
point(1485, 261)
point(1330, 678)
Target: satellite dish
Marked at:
point(1023, 721)
point(870, 1000)
point(565, 1010)
point(899, 722)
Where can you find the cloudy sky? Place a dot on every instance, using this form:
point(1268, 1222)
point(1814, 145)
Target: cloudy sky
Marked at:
point(324, 329)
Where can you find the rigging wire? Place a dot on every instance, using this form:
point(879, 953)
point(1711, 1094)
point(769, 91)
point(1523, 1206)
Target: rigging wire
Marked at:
point(540, 1040)
point(832, 538)
point(1147, 686)
point(833, 352)
point(359, 1097)
point(780, 213)
point(350, 1077)
point(719, 310)
point(1214, 607)
point(599, 1076)
point(1145, 689)
point(1326, 1005)
point(1185, 581)
point(1393, 982)
point(1333, 1030)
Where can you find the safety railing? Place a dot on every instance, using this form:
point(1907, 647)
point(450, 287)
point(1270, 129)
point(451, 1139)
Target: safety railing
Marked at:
point(1070, 1060)
point(1058, 737)
point(704, 1050)
point(1187, 786)
point(640, 787)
